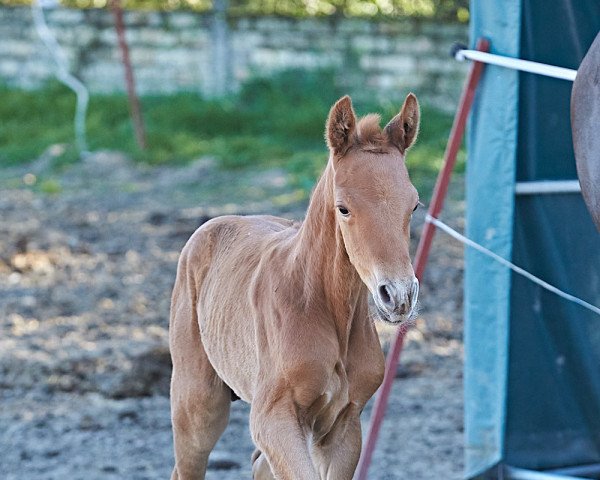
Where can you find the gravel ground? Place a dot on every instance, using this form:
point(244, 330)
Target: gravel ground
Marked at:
point(85, 280)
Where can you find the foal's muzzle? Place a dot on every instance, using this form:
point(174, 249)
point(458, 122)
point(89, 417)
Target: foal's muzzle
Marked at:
point(397, 300)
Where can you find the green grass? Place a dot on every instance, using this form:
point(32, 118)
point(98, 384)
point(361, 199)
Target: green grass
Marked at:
point(275, 122)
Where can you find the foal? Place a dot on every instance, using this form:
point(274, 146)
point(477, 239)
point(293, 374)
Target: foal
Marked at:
point(277, 312)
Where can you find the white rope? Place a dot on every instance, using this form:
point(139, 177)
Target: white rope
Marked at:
point(461, 238)
point(62, 72)
point(517, 64)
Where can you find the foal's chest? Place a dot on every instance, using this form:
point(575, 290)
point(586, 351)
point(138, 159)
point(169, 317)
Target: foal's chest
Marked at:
point(323, 412)
point(345, 387)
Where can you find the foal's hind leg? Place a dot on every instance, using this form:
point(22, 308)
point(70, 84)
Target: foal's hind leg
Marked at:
point(260, 467)
point(200, 411)
point(199, 399)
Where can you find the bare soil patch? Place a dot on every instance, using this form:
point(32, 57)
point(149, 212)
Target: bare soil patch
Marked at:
point(85, 282)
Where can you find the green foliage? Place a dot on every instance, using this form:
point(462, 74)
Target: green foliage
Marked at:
point(444, 10)
point(271, 122)
point(50, 186)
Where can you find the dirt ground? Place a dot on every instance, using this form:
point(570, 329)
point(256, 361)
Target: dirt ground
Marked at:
point(85, 281)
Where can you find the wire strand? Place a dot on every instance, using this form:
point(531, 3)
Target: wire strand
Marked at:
point(467, 241)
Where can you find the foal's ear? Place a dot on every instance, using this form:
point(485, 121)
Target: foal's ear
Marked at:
point(341, 124)
point(403, 128)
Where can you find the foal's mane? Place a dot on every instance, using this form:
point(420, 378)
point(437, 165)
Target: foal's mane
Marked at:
point(369, 135)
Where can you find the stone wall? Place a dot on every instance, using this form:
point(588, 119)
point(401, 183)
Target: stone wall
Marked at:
point(213, 55)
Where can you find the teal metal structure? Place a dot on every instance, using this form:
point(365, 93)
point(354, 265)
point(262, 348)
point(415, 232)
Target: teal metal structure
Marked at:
point(532, 360)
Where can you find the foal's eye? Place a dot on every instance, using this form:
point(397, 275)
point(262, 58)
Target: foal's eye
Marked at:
point(344, 211)
point(419, 204)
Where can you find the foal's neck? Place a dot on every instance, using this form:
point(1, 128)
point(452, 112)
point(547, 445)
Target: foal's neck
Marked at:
point(327, 269)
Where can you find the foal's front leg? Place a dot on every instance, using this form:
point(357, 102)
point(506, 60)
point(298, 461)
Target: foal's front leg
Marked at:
point(276, 432)
point(337, 453)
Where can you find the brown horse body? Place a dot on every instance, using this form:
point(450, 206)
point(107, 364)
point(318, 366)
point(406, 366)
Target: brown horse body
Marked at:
point(278, 311)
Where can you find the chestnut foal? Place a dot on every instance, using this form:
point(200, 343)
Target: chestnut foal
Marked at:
point(277, 312)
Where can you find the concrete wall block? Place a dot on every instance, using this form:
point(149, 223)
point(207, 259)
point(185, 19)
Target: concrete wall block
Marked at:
point(435, 30)
point(108, 37)
point(289, 40)
point(340, 43)
point(152, 37)
point(458, 31)
point(99, 18)
point(174, 50)
point(143, 56)
point(173, 57)
point(193, 38)
point(401, 84)
point(242, 23)
point(103, 69)
point(268, 24)
point(439, 65)
point(141, 18)
point(416, 45)
point(17, 48)
point(14, 30)
point(183, 20)
point(315, 26)
point(38, 70)
point(9, 68)
point(391, 63)
point(396, 27)
point(245, 40)
point(63, 16)
point(14, 14)
point(79, 35)
point(371, 43)
point(104, 84)
point(355, 26)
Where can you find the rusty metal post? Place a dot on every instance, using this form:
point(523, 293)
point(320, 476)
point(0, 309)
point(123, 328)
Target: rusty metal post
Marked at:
point(135, 109)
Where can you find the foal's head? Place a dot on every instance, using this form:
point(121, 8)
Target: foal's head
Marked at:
point(374, 200)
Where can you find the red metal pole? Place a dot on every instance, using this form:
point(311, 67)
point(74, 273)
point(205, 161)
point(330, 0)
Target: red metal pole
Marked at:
point(435, 207)
point(134, 102)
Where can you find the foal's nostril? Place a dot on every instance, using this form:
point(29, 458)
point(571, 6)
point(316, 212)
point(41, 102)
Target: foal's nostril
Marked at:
point(384, 294)
point(403, 309)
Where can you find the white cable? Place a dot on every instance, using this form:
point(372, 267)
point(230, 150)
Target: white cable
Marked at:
point(461, 238)
point(62, 72)
point(517, 64)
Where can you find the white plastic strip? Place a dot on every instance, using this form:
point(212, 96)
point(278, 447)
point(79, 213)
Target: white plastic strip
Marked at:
point(551, 186)
point(461, 238)
point(517, 64)
point(62, 72)
point(585, 470)
point(513, 473)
